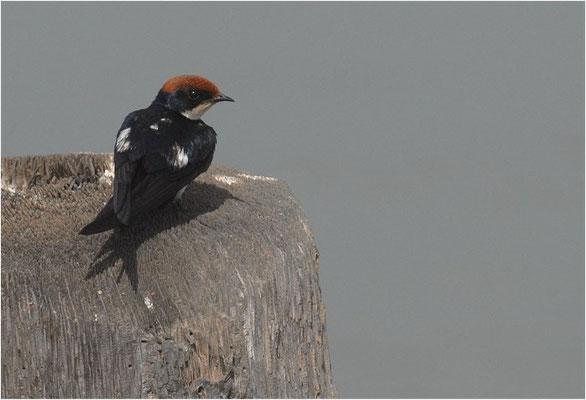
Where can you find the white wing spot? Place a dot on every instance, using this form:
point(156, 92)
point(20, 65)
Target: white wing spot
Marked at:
point(123, 141)
point(154, 127)
point(180, 158)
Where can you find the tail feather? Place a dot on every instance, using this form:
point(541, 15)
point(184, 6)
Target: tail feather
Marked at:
point(105, 221)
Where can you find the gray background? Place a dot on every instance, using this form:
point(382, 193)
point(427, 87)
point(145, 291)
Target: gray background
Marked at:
point(438, 150)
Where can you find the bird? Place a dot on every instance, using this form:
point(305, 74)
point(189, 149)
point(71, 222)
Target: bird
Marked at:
point(159, 150)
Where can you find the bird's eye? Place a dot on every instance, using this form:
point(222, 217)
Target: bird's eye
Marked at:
point(192, 94)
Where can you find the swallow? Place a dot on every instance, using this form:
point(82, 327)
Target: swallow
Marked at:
point(159, 150)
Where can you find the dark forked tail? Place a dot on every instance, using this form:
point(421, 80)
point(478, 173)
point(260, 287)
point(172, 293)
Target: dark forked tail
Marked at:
point(105, 221)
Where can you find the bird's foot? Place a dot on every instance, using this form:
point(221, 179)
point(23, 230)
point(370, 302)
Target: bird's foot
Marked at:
point(177, 205)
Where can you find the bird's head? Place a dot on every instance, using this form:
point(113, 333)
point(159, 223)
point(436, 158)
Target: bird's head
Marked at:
point(190, 95)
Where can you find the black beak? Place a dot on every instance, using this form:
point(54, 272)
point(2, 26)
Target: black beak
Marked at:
point(222, 97)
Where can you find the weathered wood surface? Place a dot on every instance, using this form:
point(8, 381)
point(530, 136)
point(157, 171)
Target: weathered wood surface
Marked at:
point(221, 299)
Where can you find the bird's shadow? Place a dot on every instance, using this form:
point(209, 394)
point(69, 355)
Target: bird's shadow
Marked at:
point(123, 244)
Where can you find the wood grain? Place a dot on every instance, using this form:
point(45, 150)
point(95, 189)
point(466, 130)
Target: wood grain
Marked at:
point(220, 299)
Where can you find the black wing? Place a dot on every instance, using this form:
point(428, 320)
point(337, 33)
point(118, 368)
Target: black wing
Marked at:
point(128, 152)
point(145, 175)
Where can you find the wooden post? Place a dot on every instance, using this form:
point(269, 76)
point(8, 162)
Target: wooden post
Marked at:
point(220, 299)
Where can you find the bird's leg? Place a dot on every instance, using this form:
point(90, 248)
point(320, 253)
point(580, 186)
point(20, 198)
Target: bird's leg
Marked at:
point(177, 201)
point(177, 204)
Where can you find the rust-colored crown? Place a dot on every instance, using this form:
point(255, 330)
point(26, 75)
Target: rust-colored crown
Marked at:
point(190, 81)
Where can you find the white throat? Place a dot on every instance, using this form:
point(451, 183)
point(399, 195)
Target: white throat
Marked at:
point(197, 112)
